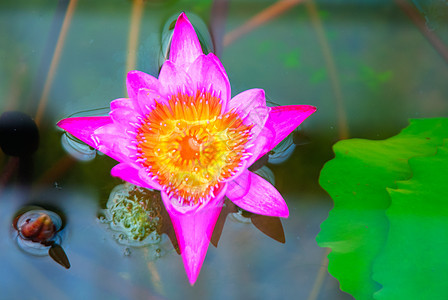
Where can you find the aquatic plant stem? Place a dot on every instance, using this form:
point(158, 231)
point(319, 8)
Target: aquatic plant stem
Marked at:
point(8, 170)
point(56, 170)
point(13, 98)
point(419, 21)
point(55, 61)
point(134, 31)
point(259, 19)
point(320, 277)
point(343, 131)
point(218, 19)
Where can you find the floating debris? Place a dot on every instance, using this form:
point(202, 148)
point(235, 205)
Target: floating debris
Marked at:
point(127, 251)
point(37, 227)
point(58, 255)
point(38, 234)
point(134, 213)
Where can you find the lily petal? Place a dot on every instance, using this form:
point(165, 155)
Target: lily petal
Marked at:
point(252, 193)
point(174, 79)
point(185, 46)
point(206, 72)
point(147, 99)
point(83, 127)
point(282, 121)
point(130, 173)
point(137, 80)
point(194, 230)
point(113, 141)
point(251, 105)
point(124, 112)
point(261, 145)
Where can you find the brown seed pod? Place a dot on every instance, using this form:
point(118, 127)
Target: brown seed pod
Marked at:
point(39, 230)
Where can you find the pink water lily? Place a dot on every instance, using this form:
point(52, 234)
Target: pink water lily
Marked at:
point(184, 135)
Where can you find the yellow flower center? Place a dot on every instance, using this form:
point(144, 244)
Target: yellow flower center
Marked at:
point(190, 147)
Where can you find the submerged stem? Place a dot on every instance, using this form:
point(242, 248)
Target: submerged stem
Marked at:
point(55, 61)
point(259, 19)
point(331, 67)
point(134, 30)
point(432, 38)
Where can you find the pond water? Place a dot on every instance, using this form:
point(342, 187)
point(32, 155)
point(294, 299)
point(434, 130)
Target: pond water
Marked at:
point(368, 66)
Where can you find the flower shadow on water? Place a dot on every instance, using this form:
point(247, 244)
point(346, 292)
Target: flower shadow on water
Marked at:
point(271, 226)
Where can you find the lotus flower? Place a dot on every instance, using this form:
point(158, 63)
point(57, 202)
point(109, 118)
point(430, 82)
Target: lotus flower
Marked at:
point(184, 135)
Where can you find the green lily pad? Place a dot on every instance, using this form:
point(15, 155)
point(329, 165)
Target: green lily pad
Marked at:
point(356, 179)
point(413, 263)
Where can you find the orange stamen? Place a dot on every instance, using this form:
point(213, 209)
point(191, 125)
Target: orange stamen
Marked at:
point(189, 147)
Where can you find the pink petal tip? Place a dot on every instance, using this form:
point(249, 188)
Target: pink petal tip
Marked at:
point(194, 229)
point(185, 46)
point(83, 127)
point(252, 193)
